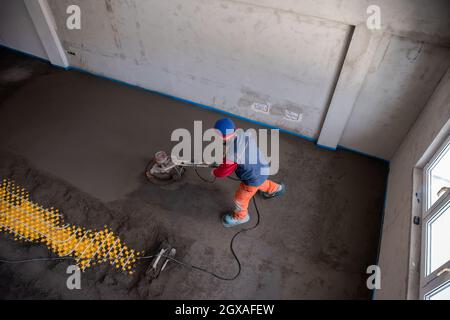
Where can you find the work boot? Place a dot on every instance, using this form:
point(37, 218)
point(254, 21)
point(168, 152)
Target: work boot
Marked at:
point(229, 221)
point(279, 192)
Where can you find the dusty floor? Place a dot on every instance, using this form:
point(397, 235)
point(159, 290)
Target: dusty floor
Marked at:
point(80, 143)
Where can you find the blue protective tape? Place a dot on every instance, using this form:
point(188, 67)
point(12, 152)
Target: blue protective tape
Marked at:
point(325, 147)
point(26, 54)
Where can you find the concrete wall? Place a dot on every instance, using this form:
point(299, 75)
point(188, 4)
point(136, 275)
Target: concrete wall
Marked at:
point(284, 54)
point(432, 127)
point(402, 76)
point(423, 20)
point(219, 53)
point(17, 30)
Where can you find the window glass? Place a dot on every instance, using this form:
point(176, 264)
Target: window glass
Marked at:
point(441, 293)
point(439, 176)
point(439, 239)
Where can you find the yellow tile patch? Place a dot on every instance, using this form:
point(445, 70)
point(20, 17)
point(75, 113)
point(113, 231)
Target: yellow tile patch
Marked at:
point(26, 220)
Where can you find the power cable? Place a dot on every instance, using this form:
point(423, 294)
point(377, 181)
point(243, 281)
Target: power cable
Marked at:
point(204, 179)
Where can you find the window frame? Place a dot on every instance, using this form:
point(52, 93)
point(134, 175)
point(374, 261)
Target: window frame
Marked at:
point(437, 288)
point(440, 277)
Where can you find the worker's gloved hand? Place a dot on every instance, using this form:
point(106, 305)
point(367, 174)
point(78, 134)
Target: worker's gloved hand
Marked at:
point(225, 169)
point(214, 165)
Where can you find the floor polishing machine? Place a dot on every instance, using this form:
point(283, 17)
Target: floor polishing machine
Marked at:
point(164, 169)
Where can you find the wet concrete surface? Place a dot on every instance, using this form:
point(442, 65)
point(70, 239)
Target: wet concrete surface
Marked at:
point(80, 143)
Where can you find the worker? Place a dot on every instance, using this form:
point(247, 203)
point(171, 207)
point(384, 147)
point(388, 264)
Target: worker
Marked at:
point(243, 157)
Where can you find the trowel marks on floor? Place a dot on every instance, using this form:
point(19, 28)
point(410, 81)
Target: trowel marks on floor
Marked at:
point(30, 222)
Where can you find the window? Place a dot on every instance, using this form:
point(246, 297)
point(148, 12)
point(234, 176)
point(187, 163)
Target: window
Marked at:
point(441, 293)
point(435, 267)
point(437, 175)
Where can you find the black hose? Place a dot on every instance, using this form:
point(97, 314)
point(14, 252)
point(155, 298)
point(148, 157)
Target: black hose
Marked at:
point(205, 180)
point(258, 218)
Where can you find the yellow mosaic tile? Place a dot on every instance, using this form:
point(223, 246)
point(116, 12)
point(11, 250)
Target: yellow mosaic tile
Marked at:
point(26, 220)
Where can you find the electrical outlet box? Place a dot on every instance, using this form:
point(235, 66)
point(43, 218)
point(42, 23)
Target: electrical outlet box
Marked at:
point(292, 115)
point(261, 107)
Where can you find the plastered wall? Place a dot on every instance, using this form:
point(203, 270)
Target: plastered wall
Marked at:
point(272, 61)
point(17, 30)
point(432, 124)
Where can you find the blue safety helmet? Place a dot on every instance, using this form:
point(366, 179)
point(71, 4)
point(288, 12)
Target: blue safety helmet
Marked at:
point(226, 127)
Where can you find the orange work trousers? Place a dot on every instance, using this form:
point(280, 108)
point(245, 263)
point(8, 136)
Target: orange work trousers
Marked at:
point(245, 193)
